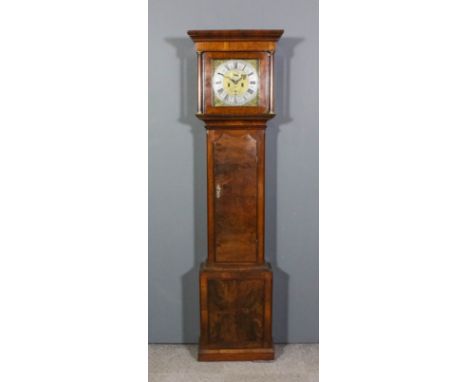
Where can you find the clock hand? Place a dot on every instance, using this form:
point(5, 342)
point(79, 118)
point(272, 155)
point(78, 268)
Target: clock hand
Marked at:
point(237, 75)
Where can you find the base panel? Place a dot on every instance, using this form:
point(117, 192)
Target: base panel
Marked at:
point(235, 307)
point(249, 354)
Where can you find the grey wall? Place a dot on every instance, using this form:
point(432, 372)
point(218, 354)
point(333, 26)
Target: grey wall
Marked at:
point(177, 195)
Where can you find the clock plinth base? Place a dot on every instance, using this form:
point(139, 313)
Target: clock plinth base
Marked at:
point(235, 313)
point(228, 354)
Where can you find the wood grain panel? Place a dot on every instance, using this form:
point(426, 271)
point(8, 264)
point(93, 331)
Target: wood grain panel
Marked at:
point(235, 183)
point(235, 312)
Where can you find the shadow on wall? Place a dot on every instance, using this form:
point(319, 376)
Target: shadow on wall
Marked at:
point(283, 56)
point(184, 49)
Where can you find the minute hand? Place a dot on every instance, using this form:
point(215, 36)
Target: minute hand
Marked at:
point(243, 77)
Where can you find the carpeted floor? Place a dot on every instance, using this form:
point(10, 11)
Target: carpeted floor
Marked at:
point(177, 363)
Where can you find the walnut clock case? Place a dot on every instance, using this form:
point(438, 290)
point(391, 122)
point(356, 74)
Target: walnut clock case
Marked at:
point(235, 100)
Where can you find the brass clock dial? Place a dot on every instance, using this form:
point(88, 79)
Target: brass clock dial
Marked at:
point(235, 82)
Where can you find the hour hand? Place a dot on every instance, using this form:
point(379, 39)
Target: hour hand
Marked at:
point(232, 80)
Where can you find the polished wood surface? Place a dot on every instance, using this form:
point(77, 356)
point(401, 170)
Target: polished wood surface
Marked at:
point(235, 46)
point(236, 314)
point(235, 195)
point(235, 282)
point(235, 178)
point(271, 35)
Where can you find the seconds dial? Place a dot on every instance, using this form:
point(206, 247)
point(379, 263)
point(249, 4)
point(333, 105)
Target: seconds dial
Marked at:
point(235, 82)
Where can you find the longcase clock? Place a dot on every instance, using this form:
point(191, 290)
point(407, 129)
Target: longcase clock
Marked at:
point(235, 100)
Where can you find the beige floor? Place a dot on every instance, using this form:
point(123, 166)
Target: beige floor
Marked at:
point(177, 363)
